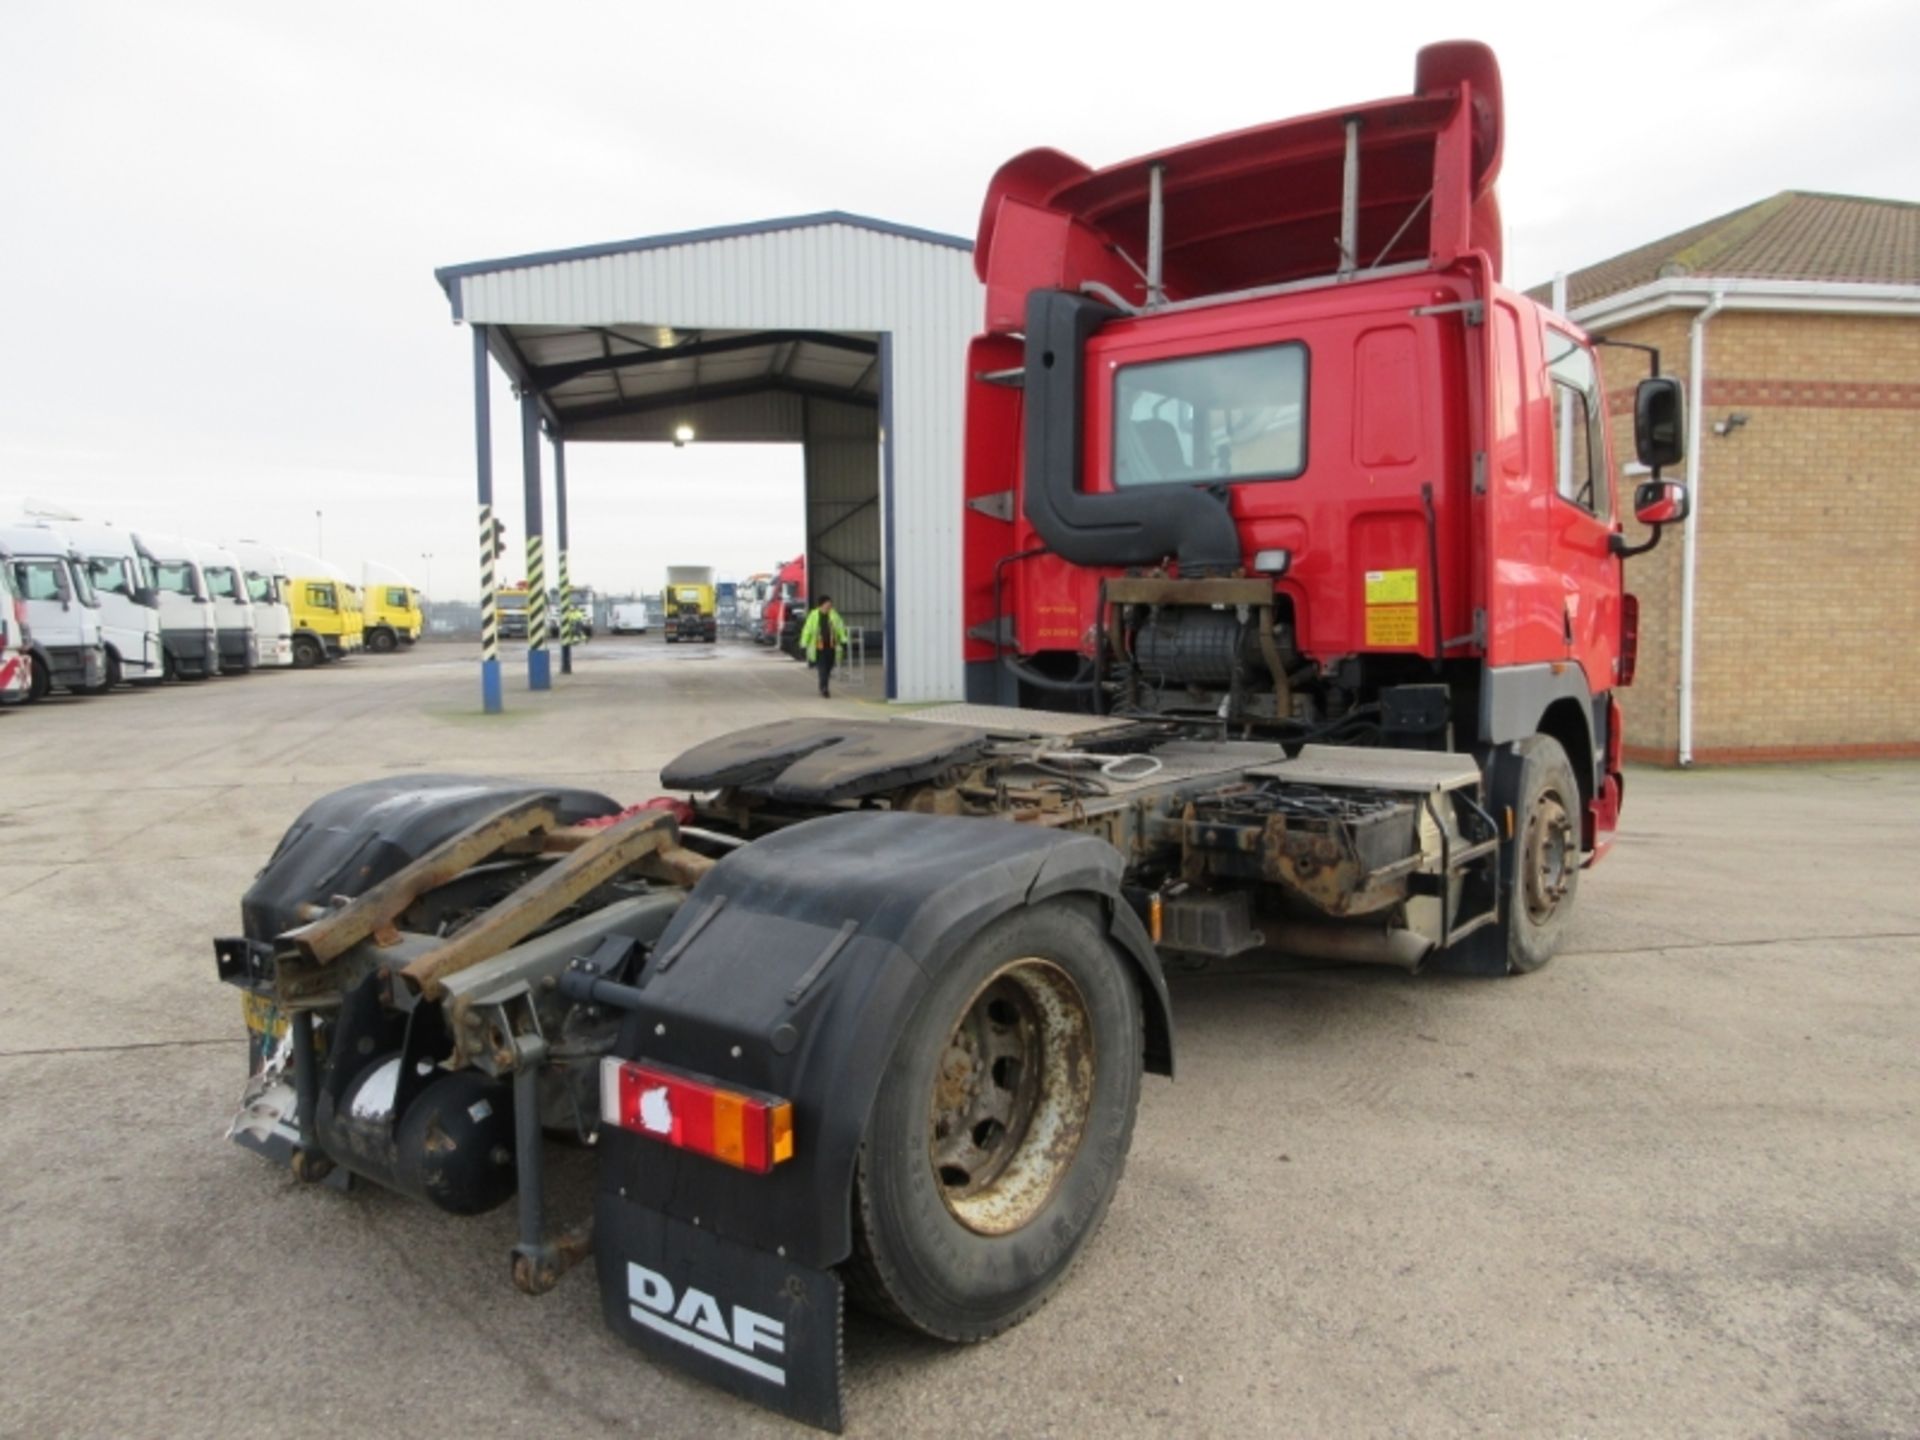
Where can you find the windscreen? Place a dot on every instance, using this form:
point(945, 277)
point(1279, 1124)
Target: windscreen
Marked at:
point(261, 589)
point(1238, 415)
point(39, 579)
point(223, 582)
point(112, 575)
point(176, 577)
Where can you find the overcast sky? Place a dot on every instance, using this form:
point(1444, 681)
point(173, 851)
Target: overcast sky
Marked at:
point(221, 219)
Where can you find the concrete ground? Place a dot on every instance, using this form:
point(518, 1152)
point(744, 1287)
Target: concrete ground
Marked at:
point(1670, 1185)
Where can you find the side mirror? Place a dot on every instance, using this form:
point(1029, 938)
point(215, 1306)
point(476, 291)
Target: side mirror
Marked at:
point(1660, 421)
point(147, 597)
point(1660, 502)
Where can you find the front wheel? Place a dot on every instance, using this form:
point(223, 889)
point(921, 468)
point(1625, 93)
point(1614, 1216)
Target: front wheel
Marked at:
point(306, 652)
point(381, 642)
point(1001, 1129)
point(1546, 853)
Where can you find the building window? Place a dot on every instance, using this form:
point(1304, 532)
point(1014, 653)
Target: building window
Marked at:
point(1240, 415)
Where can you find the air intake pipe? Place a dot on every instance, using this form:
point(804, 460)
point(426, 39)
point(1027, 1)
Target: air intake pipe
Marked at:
point(1127, 527)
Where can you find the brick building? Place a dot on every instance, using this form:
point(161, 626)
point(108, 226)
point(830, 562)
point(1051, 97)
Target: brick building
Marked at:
point(1801, 315)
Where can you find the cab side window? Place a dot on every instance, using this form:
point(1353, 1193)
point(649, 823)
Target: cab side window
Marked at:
point(320, 597)
point(1579, 417)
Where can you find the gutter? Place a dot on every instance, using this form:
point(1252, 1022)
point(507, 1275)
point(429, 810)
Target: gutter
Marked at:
point(1696, 405)
point(1683, 292)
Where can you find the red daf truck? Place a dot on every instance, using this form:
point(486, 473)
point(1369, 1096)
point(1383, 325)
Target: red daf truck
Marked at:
point(786, 607)
point(1295, 584)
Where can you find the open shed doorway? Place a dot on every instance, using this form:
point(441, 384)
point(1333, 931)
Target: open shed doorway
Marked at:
point(698, 391)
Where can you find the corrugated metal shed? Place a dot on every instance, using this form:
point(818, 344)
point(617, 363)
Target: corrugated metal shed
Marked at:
point(831, 330)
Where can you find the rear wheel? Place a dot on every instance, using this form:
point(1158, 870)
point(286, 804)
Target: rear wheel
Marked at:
point(1546, 853)
point(1001, 1129)
point(306, 652)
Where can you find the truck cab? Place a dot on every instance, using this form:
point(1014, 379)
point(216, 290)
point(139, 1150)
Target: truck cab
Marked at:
point(689, 603)
point(264, 572)
point(390, 610)
point(122, 579)
point(189, 635)
point(319, 620)
point(64, 642)
point(234, 626)
point(1221, 472)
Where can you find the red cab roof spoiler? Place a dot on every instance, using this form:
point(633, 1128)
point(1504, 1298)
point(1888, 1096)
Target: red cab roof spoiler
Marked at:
point(1261, 206)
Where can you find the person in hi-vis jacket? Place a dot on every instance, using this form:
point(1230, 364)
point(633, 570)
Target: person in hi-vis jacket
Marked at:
point(823, 638)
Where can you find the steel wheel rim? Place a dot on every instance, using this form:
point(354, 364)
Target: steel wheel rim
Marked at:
point(1549, 856)
point(1011, 1095)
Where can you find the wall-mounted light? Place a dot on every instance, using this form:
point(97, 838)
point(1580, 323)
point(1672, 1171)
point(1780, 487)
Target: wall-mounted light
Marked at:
point(683, 433)
point(1732, 423)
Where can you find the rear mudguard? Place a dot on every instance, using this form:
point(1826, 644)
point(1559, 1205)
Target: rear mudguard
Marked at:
point(352, 839)
point(792, 969)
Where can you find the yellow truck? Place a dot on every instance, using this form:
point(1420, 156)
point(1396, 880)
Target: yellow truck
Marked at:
point(390, 610)
point(325, 609)
point(688, 599)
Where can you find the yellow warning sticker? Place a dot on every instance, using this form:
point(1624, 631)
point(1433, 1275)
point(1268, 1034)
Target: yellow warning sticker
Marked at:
point(1393, 624)
point(1393, 587)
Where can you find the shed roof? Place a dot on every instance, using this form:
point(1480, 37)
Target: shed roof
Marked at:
point(610, 338)
point(1795, 235)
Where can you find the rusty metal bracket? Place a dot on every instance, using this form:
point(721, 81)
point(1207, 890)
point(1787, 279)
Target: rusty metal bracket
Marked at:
point(372, 913)
point(608, 853)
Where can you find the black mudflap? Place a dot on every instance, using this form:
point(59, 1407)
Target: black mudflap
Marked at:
point(740, 1318)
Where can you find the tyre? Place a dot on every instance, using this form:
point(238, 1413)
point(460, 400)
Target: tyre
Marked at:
point(41, 685)
point(169, 670)
point(1546, 853)
point(306, 652)
point(113, 675)
point(382, 642)
point(1001, 1127)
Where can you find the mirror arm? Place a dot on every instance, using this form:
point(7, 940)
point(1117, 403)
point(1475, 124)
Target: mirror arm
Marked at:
point(1617, 543)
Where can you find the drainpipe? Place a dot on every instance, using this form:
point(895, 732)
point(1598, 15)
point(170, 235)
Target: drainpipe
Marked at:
point(1696, 407)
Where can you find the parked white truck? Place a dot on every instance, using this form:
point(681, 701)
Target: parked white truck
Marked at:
point(64, 643)
point(189, 638)
point(232, 610)
point(265, 571)
point(122, 577)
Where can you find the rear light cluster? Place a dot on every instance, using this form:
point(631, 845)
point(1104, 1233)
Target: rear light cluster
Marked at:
point(741, 1128)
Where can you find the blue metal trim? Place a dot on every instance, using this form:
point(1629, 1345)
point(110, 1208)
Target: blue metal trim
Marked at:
point(490, 699)
point(887, 573)
point(447, 274)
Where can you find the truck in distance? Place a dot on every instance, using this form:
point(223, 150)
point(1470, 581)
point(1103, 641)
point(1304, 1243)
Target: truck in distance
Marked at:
point(232, 610)
point(688, 600)
point(1306, 573)
point(390, 609)
point(189, 637)
point(264, 569)
point(65, 647)
point(16, 660)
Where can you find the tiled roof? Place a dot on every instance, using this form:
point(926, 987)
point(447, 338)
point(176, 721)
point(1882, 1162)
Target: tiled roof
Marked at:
point(1796, 235)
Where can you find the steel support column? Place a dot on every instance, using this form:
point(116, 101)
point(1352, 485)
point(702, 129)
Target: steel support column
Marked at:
point(569, 632)
point(490, 700)
point(539, 664)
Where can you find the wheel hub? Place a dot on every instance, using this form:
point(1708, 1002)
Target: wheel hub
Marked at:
point(1547, 865)
point(1011, 1096)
